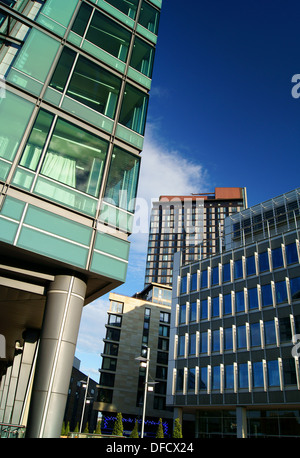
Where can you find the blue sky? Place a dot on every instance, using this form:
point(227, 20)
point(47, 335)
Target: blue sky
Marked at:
point(221, 113)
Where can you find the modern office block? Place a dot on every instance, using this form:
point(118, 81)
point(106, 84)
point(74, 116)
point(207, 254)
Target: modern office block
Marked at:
point(192, 224)
point(234, 359)
point(134, 324)
point(74, 89)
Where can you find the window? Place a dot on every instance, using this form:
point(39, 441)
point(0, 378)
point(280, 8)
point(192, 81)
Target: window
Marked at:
point(164, 317)
point(203, 342)
point(115, 320)
point(191, 379)
point(295, 288)
point(111, 349)
point(277, 258)
point(239, 301)
point(263, 260)
point(133, 110)
point(90, 84)
point(215, 306)
point(192, 344)
point(257, 374)
point(289, 371)
point(252, 298)
point(179, 380)
point(128, 8)
point(183, 285)
point(163, 344)
point(243, 375)
point(142, 57)
point(204, 309)
point(109, 364)
point(266, 295)
point(161, 372)
point(116, 307)
point(280, 292)
point(182, 314)
point(193, 311)
point(149, 17)
point(203, 378)
point(105, 395)
point(215, 275)
point(226, 272)
point(164, 331)
point(238, 269)
point(122, 180)
point(285, 332)
point(255, 339)
point(216, 377)
point(181, 346)
point(241, 336)
point(228, 339)
point(113, 334)
point(204, 279)
point(250, 265)
point(227, 309)
point(291, 253)
point(216, 340)
point(273, 373)
point(270, 333)
point(162, 357)
point(107, 379)
point(229, 376)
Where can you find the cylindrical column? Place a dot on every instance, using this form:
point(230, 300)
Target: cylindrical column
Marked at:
point(65, 299)
point(241, 420)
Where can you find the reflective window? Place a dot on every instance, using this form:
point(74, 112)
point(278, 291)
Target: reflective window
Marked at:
point(285, 332)
point(193, 311)
point(183, 285)
point(270, 333)
point(289, 371)
point(203, 378)
point(216, 340)
point(291, 253)
point(128, 8)
point(216, 377)
point(229, 376)
point(277, 258)
point(192, 344)
point(227, 304)
point(142, 57)
point(250, 265)
point(266, 295)
point(179, 380)
point(122, 179)
point(215, 306)
point(215, 276)
point(204, 279)
point(280, 292)
point(273, 373)
point(191, 378)
point(239, 301)
point(255, 339)
point(228, 340)
point(182, 314)
point(243, 375)
point(203, 342)
point(257, 374)
point(295, 288)
point(252, 298)
point(194, 282)
point(263, 260)
point(181, 346)
point(134, 108)
point(226, 272)
point(204, 309)
point(238, 269)
point(241, 336)
point(149, 17)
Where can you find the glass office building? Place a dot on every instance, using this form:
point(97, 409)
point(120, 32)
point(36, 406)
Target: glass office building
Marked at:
point(235, 325)
point(75, 78)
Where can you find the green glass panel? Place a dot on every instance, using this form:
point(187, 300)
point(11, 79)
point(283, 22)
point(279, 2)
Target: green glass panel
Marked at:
point(11, 133)
point(142, 57)
point(36, 141)
point(58, 225)
point(8, 230)
point(23, 178)
point(109, 267)
point(51, 25)
point(122, 179)
point(82, 19)
point(115, 217)
point(112, 245)
point(54, 9)
point(4, 169)
point(129, 136)
point(75, 39)
point(36, 56)
point(12, 208)
point(137, 76)
point(127, 7)
point(104, 56)
point(25, 81)
point(134, 109)
point(149, 17)
point(146, 33)
point(52, 247)
point(86, 113)
point(52, 96)
point(68, 197)
point(63, 69)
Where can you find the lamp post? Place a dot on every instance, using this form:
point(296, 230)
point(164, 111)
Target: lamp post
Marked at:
point(144, 362)
point(84, 401)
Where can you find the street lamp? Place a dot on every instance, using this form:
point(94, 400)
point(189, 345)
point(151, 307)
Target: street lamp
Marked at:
point(85, 384)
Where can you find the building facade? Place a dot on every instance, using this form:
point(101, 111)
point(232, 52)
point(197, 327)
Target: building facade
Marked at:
point(192, 224)
point(74, 90)
point(135, 324)
point(235, 325)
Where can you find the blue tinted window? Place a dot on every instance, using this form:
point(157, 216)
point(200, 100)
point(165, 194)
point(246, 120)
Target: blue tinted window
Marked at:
point(255, 334)
point(215, 306)
point(258, 376)
point(227, 304)
point(181, 346)
point(216, 378)
point(183, 285)
point(203, 342)
point(229, 377)
point(226, 272)
point(263, 259)
point(281, 292)
point(191, 379)
point(194, 282)
point(273, 373)
point(291, 253)
point(216, 340)
point(239, 301)
point(270, 334)
point(215, 276)
point(193, 311)
point(295, 287)
point(182, 314)
point(203, 378)
point(243, 375)
point(250, 265)
point(266, 295)
point(228, 341)
point(241, 336)
point(238, 269)
point(192, 344)
point(277, 258)
point(252, 298)
point(203, 308)
point(204, 279)
point(179, 381)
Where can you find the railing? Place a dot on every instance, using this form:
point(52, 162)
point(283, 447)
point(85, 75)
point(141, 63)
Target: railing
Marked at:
point(12, 431)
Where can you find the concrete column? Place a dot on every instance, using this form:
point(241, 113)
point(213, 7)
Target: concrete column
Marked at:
point(25, 376)
point(65, 299)
point(5, 392)
point(12, 387)
point(241, 420)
